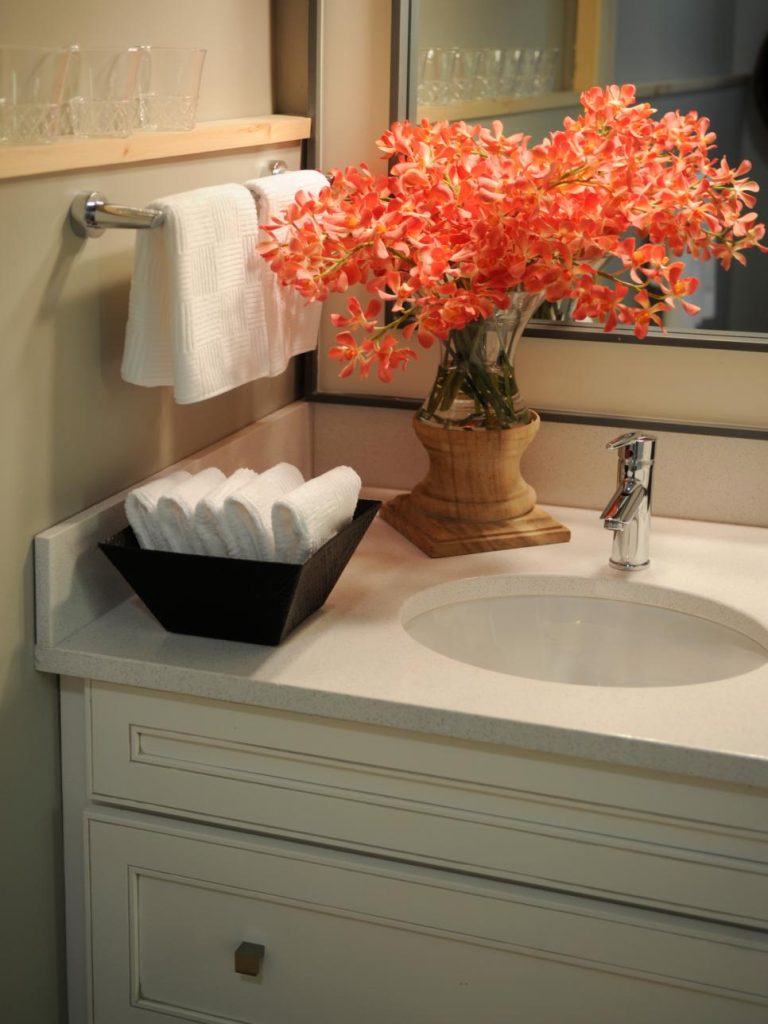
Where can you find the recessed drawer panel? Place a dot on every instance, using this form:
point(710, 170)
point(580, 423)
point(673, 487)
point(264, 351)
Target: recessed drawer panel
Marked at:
point(337, 938)
point(659, 842)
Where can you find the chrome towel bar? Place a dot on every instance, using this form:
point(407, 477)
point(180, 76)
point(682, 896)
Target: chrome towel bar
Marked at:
point(91, 213)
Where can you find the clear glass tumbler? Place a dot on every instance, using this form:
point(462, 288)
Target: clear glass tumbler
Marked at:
point(169, 85)
point(103, 97)
point(31, 90)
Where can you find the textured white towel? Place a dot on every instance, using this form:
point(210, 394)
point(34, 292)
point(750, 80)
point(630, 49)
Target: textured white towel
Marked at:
point(248, 512)
point(292, 322)
point(306, 518)
point(209, 523)
point(176, 510)
point(196, 313)
point(141, 509)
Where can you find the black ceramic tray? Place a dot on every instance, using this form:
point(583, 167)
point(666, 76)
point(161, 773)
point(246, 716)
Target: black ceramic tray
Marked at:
point(231, 598)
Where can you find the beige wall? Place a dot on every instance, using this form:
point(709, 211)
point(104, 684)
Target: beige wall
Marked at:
point(72, 433)
point(236, 34)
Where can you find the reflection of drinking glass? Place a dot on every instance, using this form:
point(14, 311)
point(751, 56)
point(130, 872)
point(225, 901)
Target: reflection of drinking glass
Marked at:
point(31, 88)
point(169, 83)
point(463, 74)
point(546, 76)
point(433, 75)
point(103, 93)
point(509, 75)
point(493, 62)
point(526, 76)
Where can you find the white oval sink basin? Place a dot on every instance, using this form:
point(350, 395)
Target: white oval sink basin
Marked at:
point(588, 632)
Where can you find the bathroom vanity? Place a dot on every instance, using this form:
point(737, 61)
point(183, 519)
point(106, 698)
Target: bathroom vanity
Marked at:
point(352, 827)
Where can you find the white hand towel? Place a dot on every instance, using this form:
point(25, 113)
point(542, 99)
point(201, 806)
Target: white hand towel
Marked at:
point(292, 322)
point(196, 313)
point(176, 510)
point(208, 523)
point(248, 512)
point(309, 516)
point(141, 509)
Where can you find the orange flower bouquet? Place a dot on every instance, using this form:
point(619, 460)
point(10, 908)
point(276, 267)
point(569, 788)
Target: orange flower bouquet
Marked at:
point(472, 229)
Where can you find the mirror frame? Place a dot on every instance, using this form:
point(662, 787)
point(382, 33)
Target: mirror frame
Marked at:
point(402, 74)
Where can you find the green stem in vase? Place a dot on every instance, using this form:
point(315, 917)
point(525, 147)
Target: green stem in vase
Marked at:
point(475, 384)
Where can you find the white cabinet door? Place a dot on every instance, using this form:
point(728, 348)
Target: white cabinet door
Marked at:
point(356, 940)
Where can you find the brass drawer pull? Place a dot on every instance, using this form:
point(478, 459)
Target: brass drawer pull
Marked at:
point(248, 958)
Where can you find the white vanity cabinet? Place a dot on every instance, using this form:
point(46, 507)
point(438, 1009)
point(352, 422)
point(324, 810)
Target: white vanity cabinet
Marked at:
point(392, 876)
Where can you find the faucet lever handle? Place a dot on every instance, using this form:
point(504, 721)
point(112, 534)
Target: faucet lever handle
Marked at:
point(641, 446)
point(627, 439)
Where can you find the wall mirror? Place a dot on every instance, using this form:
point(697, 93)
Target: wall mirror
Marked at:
point(525, 63)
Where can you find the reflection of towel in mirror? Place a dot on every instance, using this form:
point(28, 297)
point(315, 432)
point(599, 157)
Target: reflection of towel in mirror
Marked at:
point(291, 321)
point(248, 512)
point(176, 511)
point(309, 516)
point(209, 521)
point(141, 509)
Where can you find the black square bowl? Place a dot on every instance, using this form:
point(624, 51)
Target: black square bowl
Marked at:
point(231, 598)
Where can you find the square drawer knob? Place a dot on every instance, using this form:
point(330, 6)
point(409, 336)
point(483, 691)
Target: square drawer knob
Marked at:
point(248, 958)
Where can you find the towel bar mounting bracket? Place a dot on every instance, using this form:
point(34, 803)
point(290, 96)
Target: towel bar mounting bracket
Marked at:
point(91, 214)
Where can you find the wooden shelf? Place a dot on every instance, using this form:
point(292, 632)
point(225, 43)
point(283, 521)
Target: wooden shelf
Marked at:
point(70, 154)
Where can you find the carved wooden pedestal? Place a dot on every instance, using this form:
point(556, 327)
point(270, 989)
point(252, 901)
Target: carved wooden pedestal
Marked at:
point(473, 497)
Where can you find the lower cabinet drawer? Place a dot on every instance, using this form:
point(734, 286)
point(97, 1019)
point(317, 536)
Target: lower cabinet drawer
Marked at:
point(662, 843)
point(356, 940)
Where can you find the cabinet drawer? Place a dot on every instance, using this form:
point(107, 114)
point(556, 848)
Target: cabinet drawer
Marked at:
point(349, 939)
point(660, 842)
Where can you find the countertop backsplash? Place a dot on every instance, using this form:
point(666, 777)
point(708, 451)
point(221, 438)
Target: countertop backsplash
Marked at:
point(697, 476)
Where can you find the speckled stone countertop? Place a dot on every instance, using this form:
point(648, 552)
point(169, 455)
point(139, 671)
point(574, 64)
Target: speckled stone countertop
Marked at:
point(353, 660)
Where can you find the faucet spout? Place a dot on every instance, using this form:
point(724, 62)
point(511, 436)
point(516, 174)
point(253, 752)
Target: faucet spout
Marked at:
point(624, 505)
point(628, 513)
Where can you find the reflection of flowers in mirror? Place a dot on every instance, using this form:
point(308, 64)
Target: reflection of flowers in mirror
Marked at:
point(468, 215)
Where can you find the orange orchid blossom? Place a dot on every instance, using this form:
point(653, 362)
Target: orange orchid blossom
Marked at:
point(467, 215)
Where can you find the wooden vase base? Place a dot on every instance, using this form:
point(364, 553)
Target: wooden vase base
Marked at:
point(439, 537)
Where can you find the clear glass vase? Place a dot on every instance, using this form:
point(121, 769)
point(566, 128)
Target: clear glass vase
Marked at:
point(475, 386)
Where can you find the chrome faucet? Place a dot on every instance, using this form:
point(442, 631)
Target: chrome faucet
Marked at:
point(628, 513)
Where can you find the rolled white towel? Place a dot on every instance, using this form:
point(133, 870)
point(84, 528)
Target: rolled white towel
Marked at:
point(141, 509)
point(306, 518)
point(208, 522)
point(176, 510)
point(248, 512)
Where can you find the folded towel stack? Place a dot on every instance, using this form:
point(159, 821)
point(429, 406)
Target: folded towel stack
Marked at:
point(265, 517)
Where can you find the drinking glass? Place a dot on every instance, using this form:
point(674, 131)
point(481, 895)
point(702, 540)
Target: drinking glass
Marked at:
point(103, 96)
point(169, 85)
point(31, 89)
